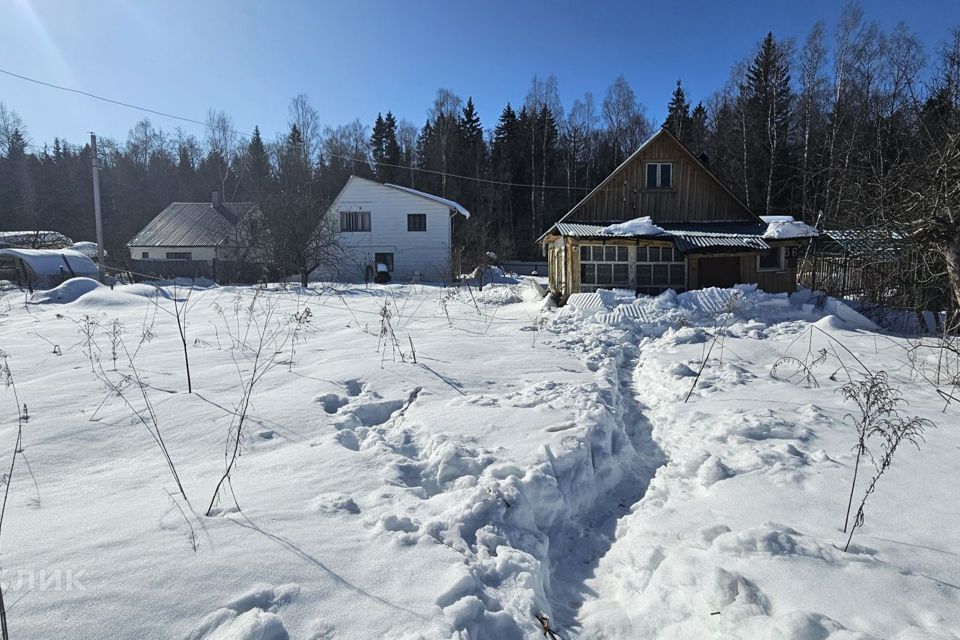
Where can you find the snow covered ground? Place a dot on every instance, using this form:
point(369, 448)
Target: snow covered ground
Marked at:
point(533, 461)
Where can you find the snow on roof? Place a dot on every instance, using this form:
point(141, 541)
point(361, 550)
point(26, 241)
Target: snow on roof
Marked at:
point(54, 261)
point(456, 206)
point(637, 227)
point(34, 239)
point(786, 229)
point(87, 248)
point(769, 219)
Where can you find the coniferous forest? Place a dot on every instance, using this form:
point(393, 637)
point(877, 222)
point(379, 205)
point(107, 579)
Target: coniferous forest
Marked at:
point(851, 126)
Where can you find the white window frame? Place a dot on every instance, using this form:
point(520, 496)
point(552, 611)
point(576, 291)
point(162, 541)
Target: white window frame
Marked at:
point(188, 254)
point(593, 286)
point(781, 262)
point(360, 217)
point(671, 263)
point(659, 166)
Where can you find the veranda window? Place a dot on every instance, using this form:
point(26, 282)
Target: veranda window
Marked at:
point(604, 266)
point(659, 269)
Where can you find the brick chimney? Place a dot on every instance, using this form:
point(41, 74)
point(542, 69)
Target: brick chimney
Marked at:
point(215, 201)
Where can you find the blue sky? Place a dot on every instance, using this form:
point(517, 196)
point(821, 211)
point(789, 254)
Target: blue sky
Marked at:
point(354, 58)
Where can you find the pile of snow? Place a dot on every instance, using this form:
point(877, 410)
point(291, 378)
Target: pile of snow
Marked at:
point(637, 227)
point(70, 291)
point(491, 275)
point(787, 229)
point(500, 294)
point(87, 248)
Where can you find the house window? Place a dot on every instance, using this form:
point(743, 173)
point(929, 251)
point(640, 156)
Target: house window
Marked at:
point(770, 260)
point(604, 266)
point(416, 222)
point(144, 255)
point(659, 269)
point(179, 255)
point(384, 258)
point(659, 175)
point(354, 221)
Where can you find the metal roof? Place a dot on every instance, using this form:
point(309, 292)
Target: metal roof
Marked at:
point(858, 241)
point(455, 206)
point(687, 237)
point(193, 224)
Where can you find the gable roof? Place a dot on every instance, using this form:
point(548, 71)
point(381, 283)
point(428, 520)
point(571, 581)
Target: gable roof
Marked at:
point(692, 156)
point(450, 204)
point(193, 224)
point(455, 206)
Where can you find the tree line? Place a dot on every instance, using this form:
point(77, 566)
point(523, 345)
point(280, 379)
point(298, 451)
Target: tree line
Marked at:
point(851, 126)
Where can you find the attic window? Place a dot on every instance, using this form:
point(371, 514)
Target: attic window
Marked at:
point(659, 175)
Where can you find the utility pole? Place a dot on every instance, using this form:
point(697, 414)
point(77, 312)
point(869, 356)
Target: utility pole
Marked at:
point(95, 161)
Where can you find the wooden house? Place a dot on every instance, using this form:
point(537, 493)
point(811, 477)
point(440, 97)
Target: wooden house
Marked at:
point(699, 233)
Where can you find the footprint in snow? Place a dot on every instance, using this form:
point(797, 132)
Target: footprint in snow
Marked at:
point(333, 503)
point(406, 530)
point(353, 387)
point(331, 402)
point(251, 616)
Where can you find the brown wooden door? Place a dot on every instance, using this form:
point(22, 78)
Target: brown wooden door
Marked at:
point(718, 272)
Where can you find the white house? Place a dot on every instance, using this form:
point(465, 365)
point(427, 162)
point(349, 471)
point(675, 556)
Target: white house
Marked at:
point(408, 230)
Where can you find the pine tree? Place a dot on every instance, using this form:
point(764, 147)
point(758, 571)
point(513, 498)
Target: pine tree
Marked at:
point(678, 114)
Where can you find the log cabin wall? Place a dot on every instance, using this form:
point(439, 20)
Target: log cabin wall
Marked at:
point(695, 194)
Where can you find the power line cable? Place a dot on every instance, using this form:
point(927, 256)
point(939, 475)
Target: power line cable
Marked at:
point(247, 137)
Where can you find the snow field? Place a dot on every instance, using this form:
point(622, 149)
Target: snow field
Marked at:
point(533, 461)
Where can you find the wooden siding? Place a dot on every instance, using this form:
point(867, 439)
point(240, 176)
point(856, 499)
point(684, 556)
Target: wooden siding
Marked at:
point(695, 196)
point(783, 281)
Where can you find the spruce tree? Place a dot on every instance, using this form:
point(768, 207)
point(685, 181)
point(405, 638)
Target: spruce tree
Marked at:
point(393, 155)
point(696, 137)
point(385, 149)
point(678, 114)
point(766, 100)
point(471, 138)
point(258, 168)
point(378, 139)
